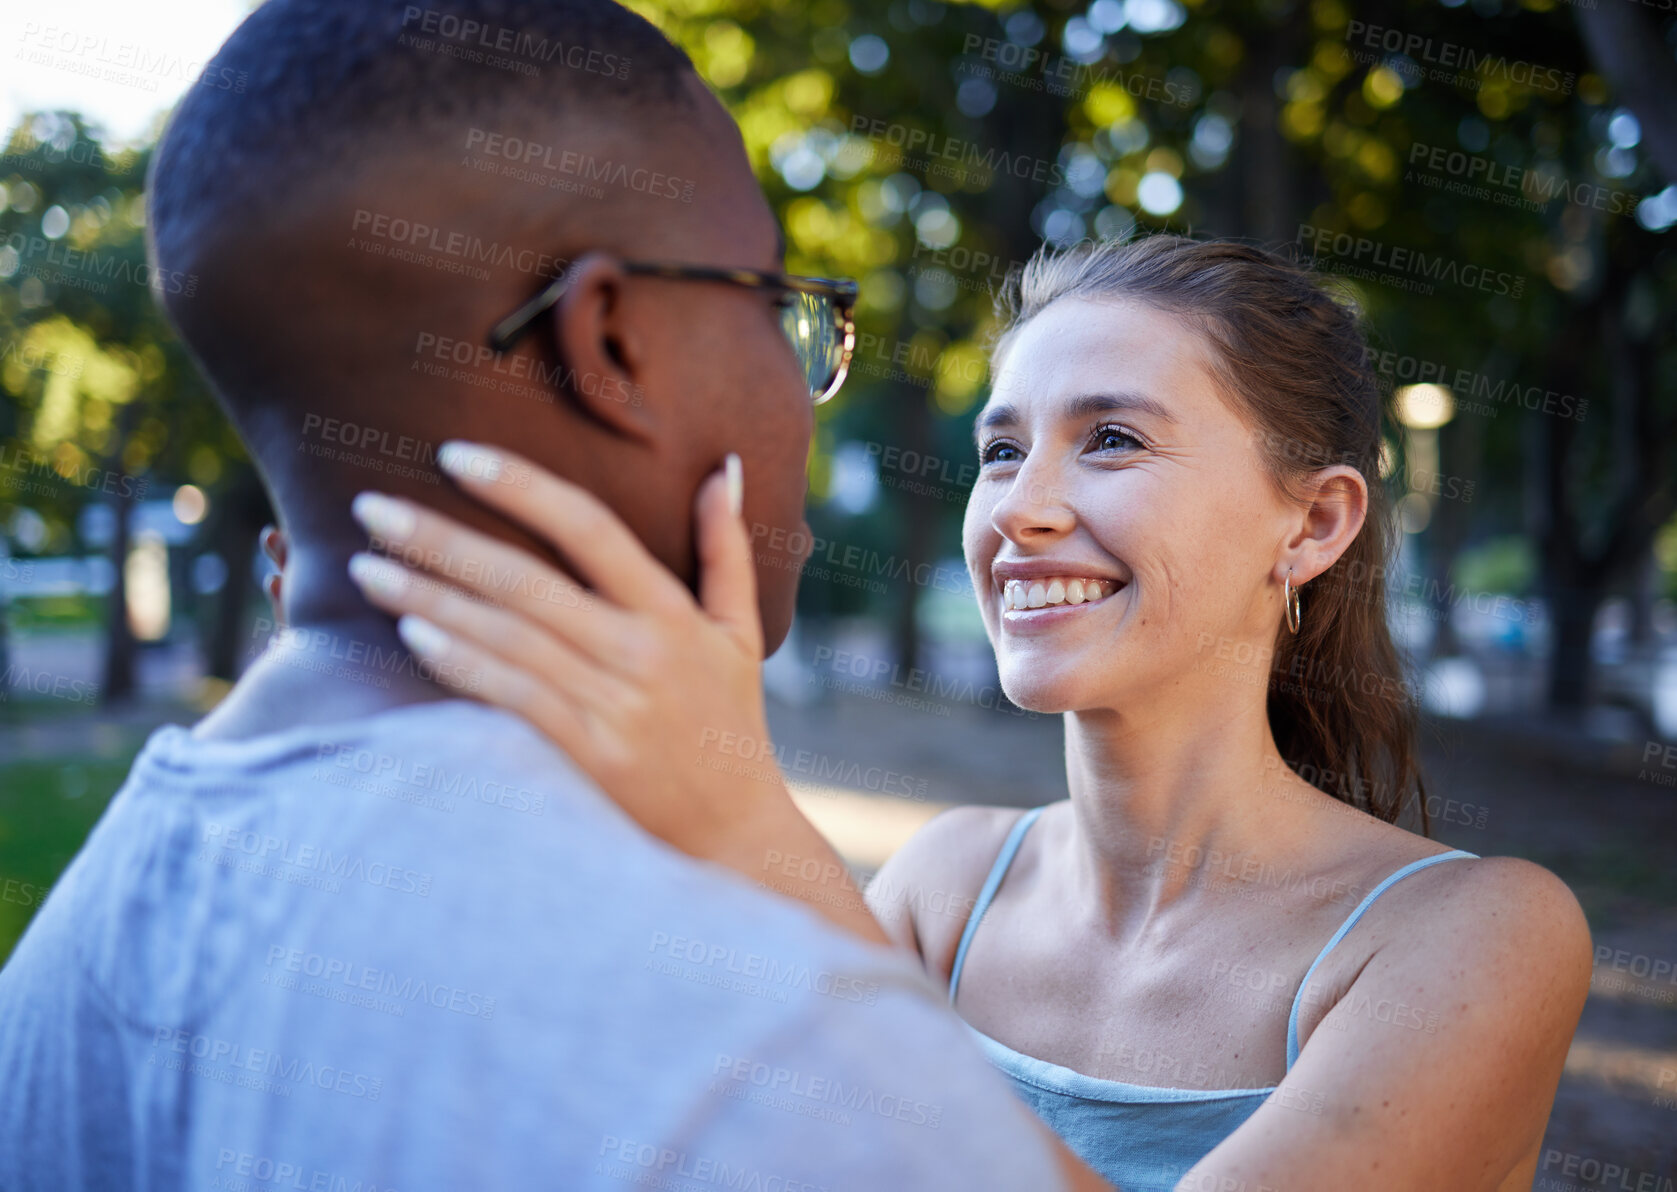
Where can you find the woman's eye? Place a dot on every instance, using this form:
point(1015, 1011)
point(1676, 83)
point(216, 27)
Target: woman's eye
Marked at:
point(998, 453)
point(1113, 438)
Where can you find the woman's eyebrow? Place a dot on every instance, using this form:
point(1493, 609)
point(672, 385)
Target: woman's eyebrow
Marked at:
point(1084, 405)
point(1087, 404)
point(996, 416)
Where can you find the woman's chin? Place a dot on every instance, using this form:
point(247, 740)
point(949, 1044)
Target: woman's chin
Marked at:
point(1037, 692)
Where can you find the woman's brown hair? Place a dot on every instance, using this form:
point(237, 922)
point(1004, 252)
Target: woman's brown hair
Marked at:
point(1292, 361)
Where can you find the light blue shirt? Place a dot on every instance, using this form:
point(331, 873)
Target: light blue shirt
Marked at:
point(421, 951)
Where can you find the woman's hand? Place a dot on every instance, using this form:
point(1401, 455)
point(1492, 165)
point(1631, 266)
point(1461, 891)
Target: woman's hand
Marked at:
point(658, 697)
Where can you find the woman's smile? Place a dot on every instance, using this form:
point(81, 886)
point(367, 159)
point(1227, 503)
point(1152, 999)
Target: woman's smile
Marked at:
point(1030, 604)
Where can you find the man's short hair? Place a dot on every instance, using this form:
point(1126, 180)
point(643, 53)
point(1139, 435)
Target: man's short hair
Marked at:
point(304, 88)
point(307, 94)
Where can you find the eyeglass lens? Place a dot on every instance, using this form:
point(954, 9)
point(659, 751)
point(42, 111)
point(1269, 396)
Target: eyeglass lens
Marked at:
point(811, 326)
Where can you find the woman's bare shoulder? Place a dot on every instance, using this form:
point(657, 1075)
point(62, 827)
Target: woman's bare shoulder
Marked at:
point(926, 892)
point(1485, 905)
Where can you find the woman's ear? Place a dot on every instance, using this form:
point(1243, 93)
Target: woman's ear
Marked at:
point(605, 347)
point(1330, 523)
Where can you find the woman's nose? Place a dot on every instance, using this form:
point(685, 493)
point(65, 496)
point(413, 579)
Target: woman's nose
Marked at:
point(1034, 505)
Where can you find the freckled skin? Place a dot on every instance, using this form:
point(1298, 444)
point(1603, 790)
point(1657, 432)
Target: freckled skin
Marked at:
point(1092, 938)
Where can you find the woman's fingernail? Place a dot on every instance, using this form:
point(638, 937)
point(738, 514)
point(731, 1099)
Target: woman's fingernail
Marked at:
point(383, 517)
point(470, 461)
point(422, 637)
point(374, 574)
point(735, 473)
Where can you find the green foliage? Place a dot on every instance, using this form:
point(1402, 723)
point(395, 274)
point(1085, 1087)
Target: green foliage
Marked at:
point(47, 808)
point(1504, 564)
point(927, 148)
point(97, 396)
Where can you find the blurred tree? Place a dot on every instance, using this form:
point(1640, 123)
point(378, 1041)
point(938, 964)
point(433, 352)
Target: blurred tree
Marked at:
point(1475, 145)
point(100, 401)
point(1499, 191)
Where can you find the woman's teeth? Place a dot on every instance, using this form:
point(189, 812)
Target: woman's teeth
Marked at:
point(1051, 590)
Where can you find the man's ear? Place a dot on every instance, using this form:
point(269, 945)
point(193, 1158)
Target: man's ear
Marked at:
point(1338, 506)
point(604, 351)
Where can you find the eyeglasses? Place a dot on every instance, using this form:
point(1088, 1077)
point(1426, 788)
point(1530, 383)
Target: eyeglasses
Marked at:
point(817, 315)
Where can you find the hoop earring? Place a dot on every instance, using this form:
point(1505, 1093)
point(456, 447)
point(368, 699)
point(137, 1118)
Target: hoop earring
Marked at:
point(1291, 595)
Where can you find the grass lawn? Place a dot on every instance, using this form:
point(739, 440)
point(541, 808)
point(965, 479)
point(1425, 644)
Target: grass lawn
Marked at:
point(47, 808)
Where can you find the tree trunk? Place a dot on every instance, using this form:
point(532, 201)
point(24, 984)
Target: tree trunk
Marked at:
point(1264, 154)
point(1626, 43)
point(243, 510)
point(117, 684)
point(1572, 611)
point(918, 540)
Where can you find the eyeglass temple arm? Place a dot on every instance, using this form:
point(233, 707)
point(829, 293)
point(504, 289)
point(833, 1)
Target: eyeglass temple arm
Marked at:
point(508, 331)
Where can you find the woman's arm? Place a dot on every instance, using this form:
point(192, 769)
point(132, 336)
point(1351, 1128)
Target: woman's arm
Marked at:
point(1437, 1066)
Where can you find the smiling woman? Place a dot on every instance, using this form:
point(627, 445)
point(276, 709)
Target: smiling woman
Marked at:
point(1278, 365)
point(1201, 970)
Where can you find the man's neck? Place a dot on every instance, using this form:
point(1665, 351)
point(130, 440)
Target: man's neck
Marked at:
point(339, 659)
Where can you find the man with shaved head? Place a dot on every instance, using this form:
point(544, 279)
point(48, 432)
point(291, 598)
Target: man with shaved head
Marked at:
point(348, 933)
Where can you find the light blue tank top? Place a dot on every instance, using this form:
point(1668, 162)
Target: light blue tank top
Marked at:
point(1142, 1138)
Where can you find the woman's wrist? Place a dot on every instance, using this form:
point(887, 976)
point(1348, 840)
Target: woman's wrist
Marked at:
point(775, 847)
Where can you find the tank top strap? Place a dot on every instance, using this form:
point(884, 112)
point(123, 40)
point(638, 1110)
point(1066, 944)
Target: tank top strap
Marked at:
point(998, 870)
point(1368, 901)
